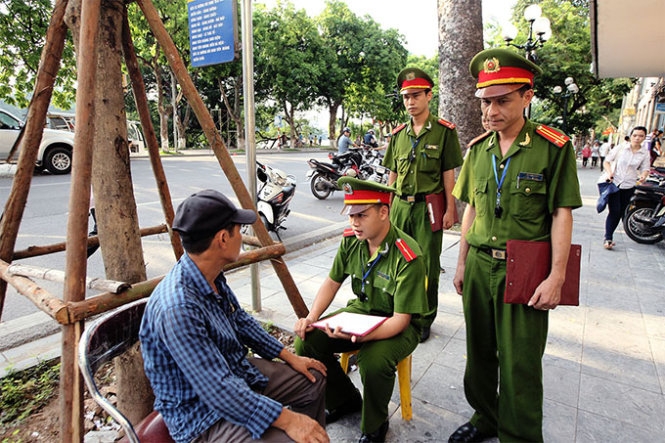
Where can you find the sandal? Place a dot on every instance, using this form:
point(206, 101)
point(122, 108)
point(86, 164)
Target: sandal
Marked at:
point(609, 244)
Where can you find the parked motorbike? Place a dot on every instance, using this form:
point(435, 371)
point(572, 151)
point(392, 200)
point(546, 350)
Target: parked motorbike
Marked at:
point(644, 220)
point(323, 176)
point(375, 171)
point(273, 196)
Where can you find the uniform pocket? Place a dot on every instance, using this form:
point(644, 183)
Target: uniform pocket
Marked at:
point(480, 196)
point(430, 160)
point(529, 201)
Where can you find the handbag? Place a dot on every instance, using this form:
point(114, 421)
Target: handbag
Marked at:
point(605, 189)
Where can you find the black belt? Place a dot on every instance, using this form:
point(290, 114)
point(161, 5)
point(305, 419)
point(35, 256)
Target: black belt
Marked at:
point(498, 254)
point(413, 198)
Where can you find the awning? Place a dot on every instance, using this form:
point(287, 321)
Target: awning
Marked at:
point(627, 38)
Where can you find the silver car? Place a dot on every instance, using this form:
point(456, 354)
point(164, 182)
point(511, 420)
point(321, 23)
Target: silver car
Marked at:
point(55, 149)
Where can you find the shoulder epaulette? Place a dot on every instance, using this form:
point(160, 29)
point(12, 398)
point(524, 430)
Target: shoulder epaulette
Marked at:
point(348, 232)
point(552, 135)
point(406, 251)
point(446, 123)
point(480, 138)
point(399, 128)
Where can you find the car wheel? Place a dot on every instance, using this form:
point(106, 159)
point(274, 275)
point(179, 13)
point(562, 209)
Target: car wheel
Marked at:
point(58, 161)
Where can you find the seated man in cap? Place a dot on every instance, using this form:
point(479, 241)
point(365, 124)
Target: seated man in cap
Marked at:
point(194, 339)
point(520, 182)
point(388, 278)
point(422, 157)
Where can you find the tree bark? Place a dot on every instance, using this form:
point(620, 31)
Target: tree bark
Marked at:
point(115, 205)
point(460, 38)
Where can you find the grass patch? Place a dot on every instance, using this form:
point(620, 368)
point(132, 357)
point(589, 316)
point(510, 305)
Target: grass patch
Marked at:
point(25, 392)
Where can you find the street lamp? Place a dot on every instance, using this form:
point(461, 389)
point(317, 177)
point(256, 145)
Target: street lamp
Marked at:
point(538, 26)
point(571, 90)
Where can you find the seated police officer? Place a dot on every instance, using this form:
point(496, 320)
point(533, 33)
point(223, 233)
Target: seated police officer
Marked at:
point(388, 277)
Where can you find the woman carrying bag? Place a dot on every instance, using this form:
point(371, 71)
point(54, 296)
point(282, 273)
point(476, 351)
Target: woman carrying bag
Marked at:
point(626, 167)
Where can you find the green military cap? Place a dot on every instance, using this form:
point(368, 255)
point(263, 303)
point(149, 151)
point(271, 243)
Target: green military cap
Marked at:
point(413, 79)
point(501, 71)
point(361, 194)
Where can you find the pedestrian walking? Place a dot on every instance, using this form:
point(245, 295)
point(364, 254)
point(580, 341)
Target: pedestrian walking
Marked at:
point(626, 166)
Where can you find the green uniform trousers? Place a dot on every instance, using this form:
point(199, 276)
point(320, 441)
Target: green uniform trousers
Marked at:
point(377, 363)
point(413, 219)
point(505, 346)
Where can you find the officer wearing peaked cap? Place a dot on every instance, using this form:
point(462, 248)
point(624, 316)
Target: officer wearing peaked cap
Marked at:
point(388, 278)
point(422, 155)
point(520, 182)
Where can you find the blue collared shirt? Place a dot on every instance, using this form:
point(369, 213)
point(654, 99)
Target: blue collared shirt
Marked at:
point(194, 343)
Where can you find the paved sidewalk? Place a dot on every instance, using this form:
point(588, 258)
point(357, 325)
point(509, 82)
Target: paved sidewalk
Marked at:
point(604, 368)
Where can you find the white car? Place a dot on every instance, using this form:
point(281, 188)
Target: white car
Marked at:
point(55, 150)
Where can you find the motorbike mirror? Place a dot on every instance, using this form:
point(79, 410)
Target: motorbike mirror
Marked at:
point(261, 175)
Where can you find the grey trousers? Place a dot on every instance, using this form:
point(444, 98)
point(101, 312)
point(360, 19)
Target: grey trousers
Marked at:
point(286, 386)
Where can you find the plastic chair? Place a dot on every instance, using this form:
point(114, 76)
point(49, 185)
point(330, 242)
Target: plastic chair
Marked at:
point(106, 338)
point(403, 378)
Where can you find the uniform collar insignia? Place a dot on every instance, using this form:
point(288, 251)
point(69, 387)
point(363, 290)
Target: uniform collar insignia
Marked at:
point(527, 140)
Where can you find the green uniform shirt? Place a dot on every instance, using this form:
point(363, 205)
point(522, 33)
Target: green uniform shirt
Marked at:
point(539, 178)
point(420, 161)
point(393, 284)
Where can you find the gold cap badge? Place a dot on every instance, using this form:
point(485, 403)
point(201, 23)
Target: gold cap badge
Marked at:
point(491, 65)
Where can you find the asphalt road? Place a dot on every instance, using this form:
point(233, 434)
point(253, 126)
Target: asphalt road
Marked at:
point(45, 217)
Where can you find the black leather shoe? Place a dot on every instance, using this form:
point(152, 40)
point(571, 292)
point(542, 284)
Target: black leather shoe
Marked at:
point(378, 436)
point(355, 404)
point(468, 433)
point(424, 335)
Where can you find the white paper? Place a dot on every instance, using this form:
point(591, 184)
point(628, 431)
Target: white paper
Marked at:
point(351, 323)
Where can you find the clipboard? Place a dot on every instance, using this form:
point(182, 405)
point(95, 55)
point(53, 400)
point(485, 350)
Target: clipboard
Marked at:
point(351, 323)
point(528, 263)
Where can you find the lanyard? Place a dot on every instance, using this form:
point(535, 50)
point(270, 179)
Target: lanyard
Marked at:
point(499, 184)
point(414, 144)
point(363, 295)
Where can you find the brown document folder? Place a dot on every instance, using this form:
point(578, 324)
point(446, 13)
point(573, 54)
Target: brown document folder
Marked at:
point(528, 263)
point(436, 209)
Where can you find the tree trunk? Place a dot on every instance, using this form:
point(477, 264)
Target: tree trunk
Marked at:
point(332, 120)
point(115, 205)
point(460, 38)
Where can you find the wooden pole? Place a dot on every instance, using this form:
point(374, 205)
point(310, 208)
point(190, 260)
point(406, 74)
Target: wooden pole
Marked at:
point(35, 251)
point(138, 89)
point(48, 69)
point(109, 300)
point(71, 388)
point(218, 147)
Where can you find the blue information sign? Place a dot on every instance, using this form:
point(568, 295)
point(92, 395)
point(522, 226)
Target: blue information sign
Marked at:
point(212, 31)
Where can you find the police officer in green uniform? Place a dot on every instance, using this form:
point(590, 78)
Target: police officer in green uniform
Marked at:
point(388, 277)
point(520, 182)
point(421, 156)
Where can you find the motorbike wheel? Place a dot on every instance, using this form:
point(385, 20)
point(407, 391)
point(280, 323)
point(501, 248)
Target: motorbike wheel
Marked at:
point(319, 187)
point(639, 230)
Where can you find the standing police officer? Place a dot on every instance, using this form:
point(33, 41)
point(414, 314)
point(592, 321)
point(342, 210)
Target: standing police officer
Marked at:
point(388, 278)
point(422, 155)
point(520, 182)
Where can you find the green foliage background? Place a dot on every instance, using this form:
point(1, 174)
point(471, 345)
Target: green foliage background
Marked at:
point(335, 61)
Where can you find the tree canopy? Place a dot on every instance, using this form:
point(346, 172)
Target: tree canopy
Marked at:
point(338, 61)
